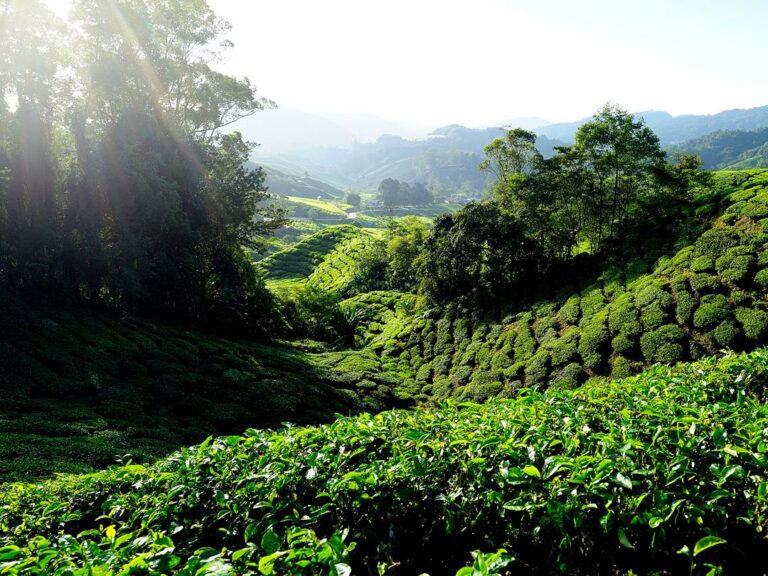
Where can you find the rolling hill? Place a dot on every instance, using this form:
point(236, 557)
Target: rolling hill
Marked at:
point(730, 149)
point(448, 159)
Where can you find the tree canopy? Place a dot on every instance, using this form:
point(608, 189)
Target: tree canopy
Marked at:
point(119, 185)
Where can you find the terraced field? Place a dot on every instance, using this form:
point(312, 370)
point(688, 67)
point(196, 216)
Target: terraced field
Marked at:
point(327, 260)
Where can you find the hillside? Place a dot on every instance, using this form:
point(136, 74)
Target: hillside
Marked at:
point(81, 388)
point(662, 473)
point(303, 186)
point(332, 248)
point(449, 156)
point(730, 149)
point(696, 300)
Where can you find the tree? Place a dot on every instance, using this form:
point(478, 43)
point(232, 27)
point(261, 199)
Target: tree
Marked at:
point(389, 192)
point(421, 195)
point(118, 185)
point(480, 253)
point(624, 157)
point(405, 241)
point(510, 158)
point(353, 199)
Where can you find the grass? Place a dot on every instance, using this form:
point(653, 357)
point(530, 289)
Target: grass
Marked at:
point(661, 473)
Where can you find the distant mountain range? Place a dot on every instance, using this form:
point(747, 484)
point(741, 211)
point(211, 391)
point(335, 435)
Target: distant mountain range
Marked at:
point(676, 129)
point(447, 159)
point(286, 130)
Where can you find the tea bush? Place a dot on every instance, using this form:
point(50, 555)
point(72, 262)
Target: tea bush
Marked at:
point(659, 473)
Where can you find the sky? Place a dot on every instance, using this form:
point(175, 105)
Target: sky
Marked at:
point(480, 62)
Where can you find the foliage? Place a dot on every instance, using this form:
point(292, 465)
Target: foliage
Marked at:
point(122, 188)
point(82, 388)
point(393, 193)
point(609, 478)
point(622, 320)
point(480, 253)
point(405, 240)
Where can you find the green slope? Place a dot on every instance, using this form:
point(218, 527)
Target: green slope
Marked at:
point(709, 295)
point(662, 473)
point(325, 260)
point(81, 388)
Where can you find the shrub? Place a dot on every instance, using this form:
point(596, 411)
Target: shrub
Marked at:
point(480, 391)
point(592, 301)
point(704, 283)
point(443, 330)
point(621, 367)
point(753, 321)
point(594, 336)
point(702, 264)
point(685, 306)
point(622, 343)
point(441, 365)
point(715, 242)
point(712, 310)
point(565, 348)
point(545, 329)
point(525, 343)
point(567, 377)
point(663, 344)
point(761, 278)
point(570, 311)
point(483, 357)
point(537, 368)
point(502, 358)
point(736, 264)
point(653, 316)
point(622, 312)
point(726, 333)
point(424, 372)
point(653, 294)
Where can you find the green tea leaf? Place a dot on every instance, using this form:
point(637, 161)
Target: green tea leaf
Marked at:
point(706, 543)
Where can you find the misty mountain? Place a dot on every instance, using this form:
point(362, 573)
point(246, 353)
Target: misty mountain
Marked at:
point(730, 149)
point(447, 160)
point(533, 123)
point(286, 130)
point(677, 129)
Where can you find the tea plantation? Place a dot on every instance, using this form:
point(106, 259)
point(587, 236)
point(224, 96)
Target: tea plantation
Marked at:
point(704, 297)
point(573, 465)
point(80, 388)
point(325, 260)
point(660, 473)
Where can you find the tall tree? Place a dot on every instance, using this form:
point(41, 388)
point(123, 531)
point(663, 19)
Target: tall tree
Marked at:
point(625, 158)
point(510, 158)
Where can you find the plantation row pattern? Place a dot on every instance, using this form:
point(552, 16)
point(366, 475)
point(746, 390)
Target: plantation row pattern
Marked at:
point(659, 473)
point(710, 295)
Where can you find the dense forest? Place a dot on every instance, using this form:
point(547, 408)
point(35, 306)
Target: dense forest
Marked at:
point(565, 375)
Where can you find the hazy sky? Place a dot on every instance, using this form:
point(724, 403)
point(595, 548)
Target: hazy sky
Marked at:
point(483, 61)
